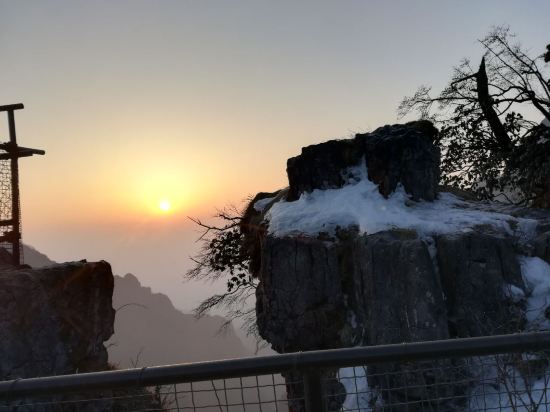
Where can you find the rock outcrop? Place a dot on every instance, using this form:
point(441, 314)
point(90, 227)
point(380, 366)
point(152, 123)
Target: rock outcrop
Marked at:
point(395, 154)
point(346, 287)
point(300, 299)
point(476, 270)
point(55, 320)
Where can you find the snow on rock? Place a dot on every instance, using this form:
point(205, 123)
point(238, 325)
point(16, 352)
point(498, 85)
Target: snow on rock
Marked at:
point(261, 204)
point(360, 203)
point(536, 274)
point(514, 293)
point(359, 396)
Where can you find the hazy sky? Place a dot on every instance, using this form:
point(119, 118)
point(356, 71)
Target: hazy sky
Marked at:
point(201, 103)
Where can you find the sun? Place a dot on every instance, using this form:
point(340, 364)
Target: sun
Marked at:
point(165, 205)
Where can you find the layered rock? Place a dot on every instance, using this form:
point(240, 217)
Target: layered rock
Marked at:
point(395, 154)
point(300, 299)
point(476, 270)
point(55, 320)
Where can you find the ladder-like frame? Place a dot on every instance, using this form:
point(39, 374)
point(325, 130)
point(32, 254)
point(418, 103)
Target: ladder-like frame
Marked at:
point(12, 152)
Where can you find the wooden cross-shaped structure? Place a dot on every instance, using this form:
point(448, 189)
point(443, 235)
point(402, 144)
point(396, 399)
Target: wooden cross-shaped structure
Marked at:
point(10, 207)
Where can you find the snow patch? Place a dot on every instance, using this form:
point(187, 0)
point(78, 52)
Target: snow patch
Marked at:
point(536, 275)
point(360, 203)
point(514, 293)
point(359, 396)
point(261, 204)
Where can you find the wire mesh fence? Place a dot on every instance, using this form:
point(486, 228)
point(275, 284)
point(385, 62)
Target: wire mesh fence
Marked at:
point(510, 382)
point(505, 373)
point(5, 204)
point(264, 393)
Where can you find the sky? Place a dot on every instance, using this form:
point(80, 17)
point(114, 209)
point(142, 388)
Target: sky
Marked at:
point(200, 104)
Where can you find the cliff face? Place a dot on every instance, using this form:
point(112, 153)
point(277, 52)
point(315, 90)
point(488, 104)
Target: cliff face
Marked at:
point(363, 249)
point(55, 320)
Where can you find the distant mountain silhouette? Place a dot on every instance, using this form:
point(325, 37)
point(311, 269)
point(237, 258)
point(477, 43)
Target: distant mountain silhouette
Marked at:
point(149, 330)
point(34, 258)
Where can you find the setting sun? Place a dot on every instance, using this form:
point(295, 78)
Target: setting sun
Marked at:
point(165, 205)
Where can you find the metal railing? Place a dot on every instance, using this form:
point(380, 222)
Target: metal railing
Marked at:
point(507, 373)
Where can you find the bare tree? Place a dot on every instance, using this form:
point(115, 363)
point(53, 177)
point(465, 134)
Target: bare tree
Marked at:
point(222, 255)
point(483, 114)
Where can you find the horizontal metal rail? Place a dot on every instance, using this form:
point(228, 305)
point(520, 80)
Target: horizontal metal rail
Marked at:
point(192, 372)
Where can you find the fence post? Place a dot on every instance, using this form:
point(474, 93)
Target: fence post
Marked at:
point(313, 391)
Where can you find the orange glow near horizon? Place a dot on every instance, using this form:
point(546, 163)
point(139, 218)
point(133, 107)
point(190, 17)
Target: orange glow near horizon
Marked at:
point(157, 189)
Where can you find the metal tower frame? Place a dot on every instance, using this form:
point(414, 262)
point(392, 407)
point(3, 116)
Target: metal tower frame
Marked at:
point(10, 205)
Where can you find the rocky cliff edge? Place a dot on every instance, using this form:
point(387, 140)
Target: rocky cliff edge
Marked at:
point(55, 320)
point(364, 248)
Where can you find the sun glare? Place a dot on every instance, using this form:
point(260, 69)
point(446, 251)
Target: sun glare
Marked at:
point(165, 205)
point(162, 190)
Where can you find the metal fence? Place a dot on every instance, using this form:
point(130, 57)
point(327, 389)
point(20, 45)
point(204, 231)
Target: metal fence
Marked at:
point(499, 373)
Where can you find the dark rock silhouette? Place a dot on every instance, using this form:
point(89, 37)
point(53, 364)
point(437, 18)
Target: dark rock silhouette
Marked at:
point(472, 268)
point(394, 154)
point(55, 320)
point(300, 300)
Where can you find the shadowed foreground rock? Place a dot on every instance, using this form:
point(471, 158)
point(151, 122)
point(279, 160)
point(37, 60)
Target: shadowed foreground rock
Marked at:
point(54, 320)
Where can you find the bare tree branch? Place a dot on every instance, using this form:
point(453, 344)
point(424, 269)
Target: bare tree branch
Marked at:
point(484, 137)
